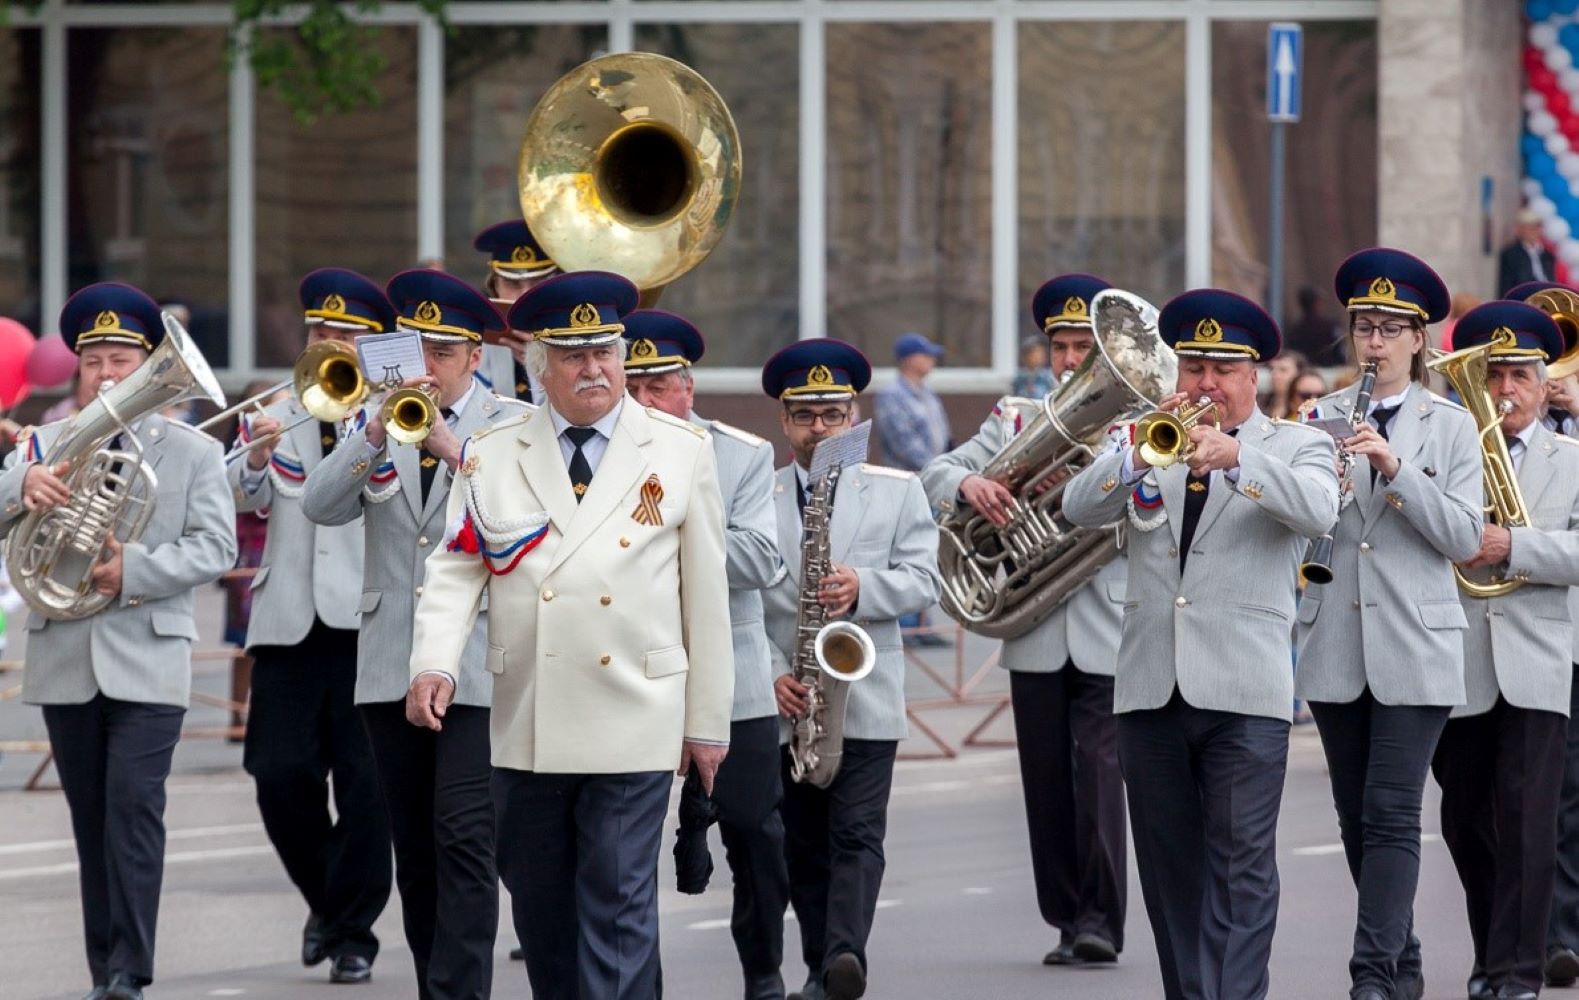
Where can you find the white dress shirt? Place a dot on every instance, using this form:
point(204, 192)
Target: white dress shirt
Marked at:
point(596, 445)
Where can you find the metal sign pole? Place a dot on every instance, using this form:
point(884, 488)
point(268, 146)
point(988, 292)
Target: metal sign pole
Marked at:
point(1285, 54)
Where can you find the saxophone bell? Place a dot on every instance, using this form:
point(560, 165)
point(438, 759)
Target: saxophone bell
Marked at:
point(845, 651)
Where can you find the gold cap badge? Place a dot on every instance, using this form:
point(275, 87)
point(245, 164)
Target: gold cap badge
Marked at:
point(1074, 306)
point(586, 314)
point(106, 320)
point(1382, 288)
point(1208, 331)
point(333, 303)
point(819, 375)
point(429, 312)
point(643, 349)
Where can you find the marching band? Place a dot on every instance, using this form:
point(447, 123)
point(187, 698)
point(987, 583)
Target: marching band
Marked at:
point(502, 605)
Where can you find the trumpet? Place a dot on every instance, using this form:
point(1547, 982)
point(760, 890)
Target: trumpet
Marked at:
point(1164, 438)
point(326, 379)
point(409, 414)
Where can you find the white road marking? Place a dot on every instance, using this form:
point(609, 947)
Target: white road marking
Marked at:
point(173, 858)
point(229, 991)
point(1322, 850)
point(194, 833)
point(977, 890)
point(789, 916)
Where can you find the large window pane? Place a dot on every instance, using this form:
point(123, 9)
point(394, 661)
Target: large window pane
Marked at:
point(19, 164)
point(340, 192)
point(909, 186)
point(1101, 155)
point(147, 160)
point(494, 77)
point(1332, 155)
point(745, 297)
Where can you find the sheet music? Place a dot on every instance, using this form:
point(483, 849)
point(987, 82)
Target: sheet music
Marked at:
point(391, 357)
point(845, 450)
point(1341, 430)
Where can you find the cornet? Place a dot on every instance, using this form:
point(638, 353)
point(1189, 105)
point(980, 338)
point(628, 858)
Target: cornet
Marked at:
point(1164, 438)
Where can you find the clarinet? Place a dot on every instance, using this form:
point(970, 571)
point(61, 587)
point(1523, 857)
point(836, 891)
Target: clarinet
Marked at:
point(1317, 564)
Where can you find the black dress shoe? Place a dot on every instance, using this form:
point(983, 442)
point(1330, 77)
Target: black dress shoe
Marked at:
point(1368, 993)
point(517, 954)
point(97, 993)
point(768, 986)
point(122, 987)
point(1511, 992)
point(1093, 947)
point(312, 941)
point(350, 969)
point(1479, 987)
point(812, 990)
point(1562, 967)
point(845, 979)
point(1064, 954)
point(1409, 986)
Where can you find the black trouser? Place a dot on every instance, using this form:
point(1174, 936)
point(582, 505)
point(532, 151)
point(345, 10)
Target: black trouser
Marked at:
point(1377, 759)
point(579, 854)
point(1074, 798)
point(113, 758)
point(747, 792)
point(441, 819)
point(833, 841)
point(1204, 792)
point(1501, 778)
point(1563, 928)
point(302, 727)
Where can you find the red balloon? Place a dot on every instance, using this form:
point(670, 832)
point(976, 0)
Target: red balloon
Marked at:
point(16, 343)
point(1558, 104)
point(1532, 57)
point(51, 362)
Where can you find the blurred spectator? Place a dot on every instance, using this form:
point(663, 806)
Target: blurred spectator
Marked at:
point(1527, 258)
point(71, 402)
point(1035, 375)
point(1282, 373)
point(1320, 338)
point(1462, 303)
point(1307, 388)
point(1562, 405)
point(912, 428)
point(251, 532)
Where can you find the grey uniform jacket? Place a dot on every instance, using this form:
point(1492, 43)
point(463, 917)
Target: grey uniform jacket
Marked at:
point(1220, 631)
point(1085, 628)
point(140, 648)
point(1520, 646)
point(745, 479)
point(881, 527)
point(1391, 619)
point(309, 570)
point(385, 490)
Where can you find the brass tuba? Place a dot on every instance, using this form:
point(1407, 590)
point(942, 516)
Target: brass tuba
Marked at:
point(630, 163)
point(1466, 370)
point(52, 551)
point(1562, 305)
point(1002, 582)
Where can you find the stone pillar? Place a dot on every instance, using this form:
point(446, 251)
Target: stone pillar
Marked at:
point(1449, 80)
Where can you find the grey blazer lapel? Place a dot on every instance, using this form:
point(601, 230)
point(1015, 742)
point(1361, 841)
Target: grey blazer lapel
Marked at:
point(788, 516)
point(1170, 482)
point(1406, 435)
point(408, 472)
point(151, 435)
point(479, 409)
point(1253, 431)
point(1538, 465)
point(849, 508)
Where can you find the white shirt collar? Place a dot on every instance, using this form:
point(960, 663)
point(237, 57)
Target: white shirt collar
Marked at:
point(459, 406)
point(1524, 436)
point(604, 425)
point(1391, 402)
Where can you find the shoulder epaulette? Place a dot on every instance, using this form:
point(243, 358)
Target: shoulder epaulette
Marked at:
point(1565, 439)
point(883, 470)
point(745, 437)
point(673, 421)
point(499, 425)
point(1444, 401)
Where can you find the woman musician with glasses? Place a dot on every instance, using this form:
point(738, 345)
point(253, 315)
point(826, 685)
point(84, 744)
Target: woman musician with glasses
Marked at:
point(1380, 653)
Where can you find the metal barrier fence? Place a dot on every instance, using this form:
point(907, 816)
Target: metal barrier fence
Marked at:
point(959, 690)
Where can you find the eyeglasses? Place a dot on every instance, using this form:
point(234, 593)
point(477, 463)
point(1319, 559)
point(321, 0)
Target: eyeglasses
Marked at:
point(829, 418)
point(1390, 331)
point(1308, 395)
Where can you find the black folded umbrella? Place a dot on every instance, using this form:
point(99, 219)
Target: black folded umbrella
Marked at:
point(693, 864)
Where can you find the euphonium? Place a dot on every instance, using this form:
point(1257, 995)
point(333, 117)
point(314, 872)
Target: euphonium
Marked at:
point(52, 551)
point(1466, 370)
point(1001, 582)
point(630, 163)
point(829, 656)
point(1317, 564)
point(1162, 439)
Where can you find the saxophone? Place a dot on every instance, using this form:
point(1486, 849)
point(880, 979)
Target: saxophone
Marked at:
point(829, 656)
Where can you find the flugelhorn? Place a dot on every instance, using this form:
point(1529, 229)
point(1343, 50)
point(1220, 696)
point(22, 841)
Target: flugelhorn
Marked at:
point(1163, 438)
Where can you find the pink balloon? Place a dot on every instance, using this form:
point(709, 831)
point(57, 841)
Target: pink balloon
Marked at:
point(16, 344)
point(51, 363)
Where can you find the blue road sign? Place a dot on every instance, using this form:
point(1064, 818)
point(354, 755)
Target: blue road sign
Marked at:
point(1285, 57)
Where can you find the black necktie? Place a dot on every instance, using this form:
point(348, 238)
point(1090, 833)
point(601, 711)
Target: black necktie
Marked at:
point(327, 436)
point(1383, 415)
point(1196, 489)
point(523, 385)
point(429, 461)
point(580, 468)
